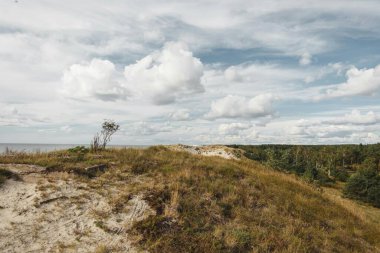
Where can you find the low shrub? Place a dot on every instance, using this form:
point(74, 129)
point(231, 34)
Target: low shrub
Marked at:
point(340, 174)
point(80, 152)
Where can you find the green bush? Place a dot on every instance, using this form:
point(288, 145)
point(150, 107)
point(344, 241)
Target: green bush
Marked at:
point(310, 174)
point(80, 152)
point(323, 178)
point(319, 176)
point(340, 174)
point(364, 185)
point(79, 149)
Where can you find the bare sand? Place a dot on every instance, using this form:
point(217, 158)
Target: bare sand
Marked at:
point(55, 213)
point(209, 150)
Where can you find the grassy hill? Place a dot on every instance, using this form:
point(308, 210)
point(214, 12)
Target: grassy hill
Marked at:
point(211, 204)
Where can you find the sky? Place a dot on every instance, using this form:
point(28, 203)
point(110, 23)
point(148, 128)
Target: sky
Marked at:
point(191, 72)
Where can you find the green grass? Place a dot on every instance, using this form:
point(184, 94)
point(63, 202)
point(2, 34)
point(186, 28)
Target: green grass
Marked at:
point(209, 204)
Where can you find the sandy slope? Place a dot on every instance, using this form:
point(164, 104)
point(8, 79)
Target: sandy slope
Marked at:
point(209, 150)
point(54, 213)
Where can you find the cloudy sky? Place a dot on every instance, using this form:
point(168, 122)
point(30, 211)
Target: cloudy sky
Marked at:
point(242, 71)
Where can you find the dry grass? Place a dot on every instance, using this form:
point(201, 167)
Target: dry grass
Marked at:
point(103, 249)
point(209, 204)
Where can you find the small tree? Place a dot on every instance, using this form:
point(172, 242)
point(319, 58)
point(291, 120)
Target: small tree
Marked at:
point(100, 141)
point(109, 127)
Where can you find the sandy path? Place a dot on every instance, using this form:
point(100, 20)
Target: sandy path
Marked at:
point(54, 213)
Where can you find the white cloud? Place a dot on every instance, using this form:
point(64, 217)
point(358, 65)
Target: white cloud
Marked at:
point(241, 107)
point(359, 82)
point(180, 115)
point(305, 59)
point(66, 129)
point(263, 74)
point(370, 137)
point(252, 135)
point(228, 133)
point(355, 118)
point(148, 128)
point(331, 68)
point(166, 75)
point(318, 129)
point(97, 79)
point(34, 53)
point(353, 127)
point(233, 128)
point(264, 121)
point(289, 26)
point(12, 116)
point(162, 76)
point(329, 131)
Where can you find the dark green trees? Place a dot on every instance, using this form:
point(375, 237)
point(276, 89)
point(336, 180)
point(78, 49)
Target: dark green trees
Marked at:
point(364, 185)
point(358, 165)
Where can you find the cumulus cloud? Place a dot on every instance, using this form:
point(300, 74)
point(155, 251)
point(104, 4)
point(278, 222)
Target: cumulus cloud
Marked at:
point(364, 82)
point(180, 115)
point(96, 79)
point(241, 107)
point(355, 118)
point(166, 75)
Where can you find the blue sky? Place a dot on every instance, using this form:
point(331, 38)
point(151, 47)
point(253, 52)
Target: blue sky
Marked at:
point(196, 72)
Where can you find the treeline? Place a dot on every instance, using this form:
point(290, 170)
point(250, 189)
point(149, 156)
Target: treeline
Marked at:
point(357, 165)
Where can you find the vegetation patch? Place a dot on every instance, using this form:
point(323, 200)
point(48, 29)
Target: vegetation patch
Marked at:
point(210, 204)
point(240, 206)
point(364, 185)
point(6, 174)
point(358, 165)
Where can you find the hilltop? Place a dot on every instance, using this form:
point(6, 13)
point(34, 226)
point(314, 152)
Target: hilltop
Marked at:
point(172, 199)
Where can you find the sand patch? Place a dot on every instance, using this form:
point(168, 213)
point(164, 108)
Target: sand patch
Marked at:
point(56, 213)
point(209, 150)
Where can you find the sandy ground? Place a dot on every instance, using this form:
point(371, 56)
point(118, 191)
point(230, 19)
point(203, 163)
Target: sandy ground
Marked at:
point(209, 150)
point(54, 213)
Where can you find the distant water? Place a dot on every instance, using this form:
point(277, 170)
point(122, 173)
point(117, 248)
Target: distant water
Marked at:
point(32, 148)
